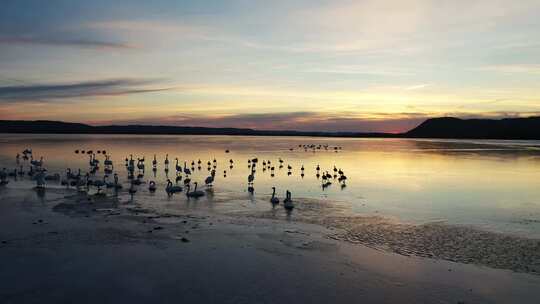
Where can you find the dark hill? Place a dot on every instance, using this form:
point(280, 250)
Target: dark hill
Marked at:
point(449, 127)
point(445, 127)
point(45, 126)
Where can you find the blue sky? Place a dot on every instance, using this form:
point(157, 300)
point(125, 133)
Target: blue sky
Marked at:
point(307, 65)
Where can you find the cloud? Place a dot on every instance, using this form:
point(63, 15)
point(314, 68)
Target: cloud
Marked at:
point(81, 43)
point(72, 90)
point(513, 68)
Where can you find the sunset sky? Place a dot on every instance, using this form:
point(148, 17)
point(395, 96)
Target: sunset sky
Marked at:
point(304, 65)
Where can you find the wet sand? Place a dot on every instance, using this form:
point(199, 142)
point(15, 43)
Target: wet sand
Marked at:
point(66, 247)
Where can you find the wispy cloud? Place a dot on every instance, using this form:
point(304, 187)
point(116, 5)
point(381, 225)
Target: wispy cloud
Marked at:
point(513, 68)
point(81, 43)
point(78, 89)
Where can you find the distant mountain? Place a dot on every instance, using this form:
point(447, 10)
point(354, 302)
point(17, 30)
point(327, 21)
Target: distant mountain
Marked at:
point(444, 127)
point(57, 127)
point(449, 127)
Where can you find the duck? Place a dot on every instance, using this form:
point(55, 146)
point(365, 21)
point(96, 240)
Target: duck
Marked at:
point(152, 186)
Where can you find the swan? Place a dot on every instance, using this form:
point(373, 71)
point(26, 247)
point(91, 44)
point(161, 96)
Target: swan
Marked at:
point(100, 183)
point(132, 190)
point(52, 177)
point(195, 193)
point(108, 170)
point(37, 163)
point(186, 169)
point(210, 179)
point(94, 161)
point(107, 183)
point(131, 163)
point(108, 161)
point(140, 164)
point(3, 177)
point(12, 173)
point(117, 185)
point(21, 171)
point(136, 181)
point(274, 200)
point(40, 178)
point(170, 189)
point(287, 202)
point(178, 168)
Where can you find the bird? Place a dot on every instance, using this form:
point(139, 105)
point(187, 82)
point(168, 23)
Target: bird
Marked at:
point(210, 179)
point(274, 200)
point(132, 190)
point(40, 178)
point(3, 177)
point(100, 183)
point(117, 185)
point(195, 193)
point(186, 169)
point(52, 177)
point(166, 162)
point(177, 166)
point(287, 202)
point(171, 189)
point(152, 186)
point(108, 161)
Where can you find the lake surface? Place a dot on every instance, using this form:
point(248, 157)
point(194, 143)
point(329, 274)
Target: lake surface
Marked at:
point(492, 185)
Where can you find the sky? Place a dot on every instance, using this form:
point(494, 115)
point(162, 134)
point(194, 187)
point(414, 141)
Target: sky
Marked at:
point(371, 66)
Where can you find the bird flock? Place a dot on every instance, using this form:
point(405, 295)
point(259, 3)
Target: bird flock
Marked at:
point(181, 173)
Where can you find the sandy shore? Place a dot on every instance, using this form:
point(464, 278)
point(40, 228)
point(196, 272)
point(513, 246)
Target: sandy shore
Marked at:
point(65, 247)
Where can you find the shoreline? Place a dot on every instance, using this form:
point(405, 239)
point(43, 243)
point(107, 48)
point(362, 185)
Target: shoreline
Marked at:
point(60, 247)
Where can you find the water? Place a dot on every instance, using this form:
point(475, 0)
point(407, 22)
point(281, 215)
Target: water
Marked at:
point(492, 185)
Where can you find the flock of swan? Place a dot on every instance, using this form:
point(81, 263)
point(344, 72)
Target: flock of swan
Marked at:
point(136, 168)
